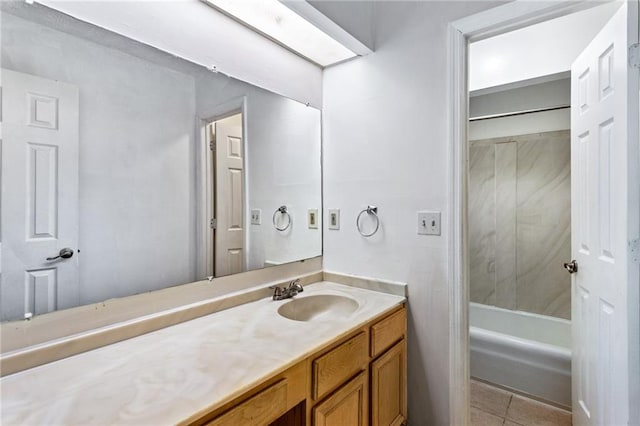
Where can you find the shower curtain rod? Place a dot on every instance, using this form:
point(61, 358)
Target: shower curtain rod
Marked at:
point(511, 114)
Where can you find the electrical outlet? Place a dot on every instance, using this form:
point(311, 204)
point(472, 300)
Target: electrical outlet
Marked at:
point(256, 217)
point(312, 218)
point(334, 219)
point(428, 223)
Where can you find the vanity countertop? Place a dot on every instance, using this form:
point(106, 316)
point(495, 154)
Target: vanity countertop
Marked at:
point(169, 375)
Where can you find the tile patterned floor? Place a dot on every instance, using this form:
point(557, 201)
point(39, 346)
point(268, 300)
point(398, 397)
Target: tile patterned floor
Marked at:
point(491, 406)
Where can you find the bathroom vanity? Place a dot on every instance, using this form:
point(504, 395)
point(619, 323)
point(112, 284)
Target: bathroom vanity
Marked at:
point(340, 361)
point(358, 380)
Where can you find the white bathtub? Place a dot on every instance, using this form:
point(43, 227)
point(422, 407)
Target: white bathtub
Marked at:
point(526, 352)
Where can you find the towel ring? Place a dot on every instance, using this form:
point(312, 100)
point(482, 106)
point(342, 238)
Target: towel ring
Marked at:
point(281, 210)
point(372, 211)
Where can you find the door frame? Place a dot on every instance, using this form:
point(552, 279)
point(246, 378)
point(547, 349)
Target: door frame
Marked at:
point(204, 184)
point(502, 19)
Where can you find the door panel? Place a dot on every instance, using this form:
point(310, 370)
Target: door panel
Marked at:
point(39, 216)
point(41, 288)
point(601, 191)
point(580, 362)
point(582, 202)
point(41, 192)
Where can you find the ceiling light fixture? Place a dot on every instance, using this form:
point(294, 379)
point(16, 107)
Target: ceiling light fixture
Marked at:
point(276, 21)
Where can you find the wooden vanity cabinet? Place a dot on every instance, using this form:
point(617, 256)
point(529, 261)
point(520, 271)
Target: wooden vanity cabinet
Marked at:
point(358, 380)
point(369, 374)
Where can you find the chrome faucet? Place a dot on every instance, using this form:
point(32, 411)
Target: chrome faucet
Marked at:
point(280, 293)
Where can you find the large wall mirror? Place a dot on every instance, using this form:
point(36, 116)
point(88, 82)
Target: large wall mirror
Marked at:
point(126, 170)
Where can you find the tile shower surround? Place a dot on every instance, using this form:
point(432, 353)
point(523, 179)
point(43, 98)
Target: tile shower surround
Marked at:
point(520, 222)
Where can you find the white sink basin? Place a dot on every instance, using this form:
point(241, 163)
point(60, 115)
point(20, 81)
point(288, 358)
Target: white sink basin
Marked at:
point(320, 307)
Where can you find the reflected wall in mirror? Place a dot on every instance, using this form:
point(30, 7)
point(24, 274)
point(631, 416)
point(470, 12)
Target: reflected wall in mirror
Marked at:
point(152, 171)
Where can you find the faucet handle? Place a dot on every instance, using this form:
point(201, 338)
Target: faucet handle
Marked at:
point(295, 284)
point(277, 291)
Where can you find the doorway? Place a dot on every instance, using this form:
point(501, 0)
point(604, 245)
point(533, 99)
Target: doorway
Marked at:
point(615, 323)
point(519, 236)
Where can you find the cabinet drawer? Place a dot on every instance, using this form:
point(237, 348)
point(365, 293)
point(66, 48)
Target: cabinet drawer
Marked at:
point(388, 331)
point(335, 367)
point(260, 409)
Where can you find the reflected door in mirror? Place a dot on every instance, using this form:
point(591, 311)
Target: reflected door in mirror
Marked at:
point(229, 229)
point(39, 196)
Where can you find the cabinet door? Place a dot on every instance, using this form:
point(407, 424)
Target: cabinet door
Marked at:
point(389, 387)
point(348, 406)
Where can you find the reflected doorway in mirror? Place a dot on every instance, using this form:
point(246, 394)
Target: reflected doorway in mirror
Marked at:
point(227, 158)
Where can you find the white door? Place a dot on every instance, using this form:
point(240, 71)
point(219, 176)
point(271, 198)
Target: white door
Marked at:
point(604, 217)
point(229, 232)
point(39, 195)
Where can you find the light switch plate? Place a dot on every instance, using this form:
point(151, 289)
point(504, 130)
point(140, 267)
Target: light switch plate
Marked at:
point(429, 223)
point(334, 219)
point(312, 218)
point(256, 217)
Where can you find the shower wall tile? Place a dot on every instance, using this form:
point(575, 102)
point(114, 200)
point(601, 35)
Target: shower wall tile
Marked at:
point(505, 195)
point(520, 222)
point(544, 224)
point(482, 232)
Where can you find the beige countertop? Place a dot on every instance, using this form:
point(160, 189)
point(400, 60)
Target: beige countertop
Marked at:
point(168, 375)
